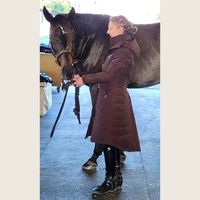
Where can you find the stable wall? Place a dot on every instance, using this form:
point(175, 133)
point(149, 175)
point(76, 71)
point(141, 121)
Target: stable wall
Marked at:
point(48, 65)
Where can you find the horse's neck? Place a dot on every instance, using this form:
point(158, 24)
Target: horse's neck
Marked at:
point(87, 31)
point(87, 24)
point(83, 45)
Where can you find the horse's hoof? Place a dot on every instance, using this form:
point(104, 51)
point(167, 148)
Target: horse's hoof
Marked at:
point(122, 158)
point(89, 165)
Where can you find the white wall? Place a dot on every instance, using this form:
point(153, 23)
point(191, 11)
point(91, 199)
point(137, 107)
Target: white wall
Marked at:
point(44, 25)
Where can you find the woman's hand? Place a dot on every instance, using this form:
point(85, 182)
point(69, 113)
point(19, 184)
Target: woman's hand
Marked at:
point(79, 82)
point(76, 77)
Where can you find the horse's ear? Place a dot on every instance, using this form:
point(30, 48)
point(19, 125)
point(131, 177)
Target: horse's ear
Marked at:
point(71, 14)
point(47, 15)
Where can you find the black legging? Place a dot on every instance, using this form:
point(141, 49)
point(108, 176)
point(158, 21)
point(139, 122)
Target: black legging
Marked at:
point(98, 148)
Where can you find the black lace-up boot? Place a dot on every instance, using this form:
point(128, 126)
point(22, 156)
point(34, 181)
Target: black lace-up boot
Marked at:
point(110, 183)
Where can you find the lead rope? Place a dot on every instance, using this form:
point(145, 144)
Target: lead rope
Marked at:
point(76, 110)
point(66, 90)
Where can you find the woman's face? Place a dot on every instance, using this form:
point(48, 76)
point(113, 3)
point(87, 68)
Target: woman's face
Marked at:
point(113, 30)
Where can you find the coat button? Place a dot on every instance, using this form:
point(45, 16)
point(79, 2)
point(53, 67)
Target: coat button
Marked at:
point(105, 96)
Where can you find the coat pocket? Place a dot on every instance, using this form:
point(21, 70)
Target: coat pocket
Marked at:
point(104, 90)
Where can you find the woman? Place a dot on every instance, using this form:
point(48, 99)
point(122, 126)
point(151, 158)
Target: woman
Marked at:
point(112, 122)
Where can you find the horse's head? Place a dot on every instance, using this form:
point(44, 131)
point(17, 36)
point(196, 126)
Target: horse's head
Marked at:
point(61, 37)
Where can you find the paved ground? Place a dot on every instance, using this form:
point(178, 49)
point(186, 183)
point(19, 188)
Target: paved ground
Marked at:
point(62, 157)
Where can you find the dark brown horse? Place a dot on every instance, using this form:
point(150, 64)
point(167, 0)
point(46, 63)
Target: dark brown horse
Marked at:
point(82, 38)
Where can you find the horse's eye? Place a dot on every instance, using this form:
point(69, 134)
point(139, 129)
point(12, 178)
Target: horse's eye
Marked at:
point(58, 32)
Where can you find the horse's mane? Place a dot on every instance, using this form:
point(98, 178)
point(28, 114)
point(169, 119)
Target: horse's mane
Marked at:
point(86, 24)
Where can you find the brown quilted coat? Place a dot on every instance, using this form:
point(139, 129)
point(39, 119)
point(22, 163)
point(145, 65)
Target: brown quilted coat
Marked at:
point(112, 121)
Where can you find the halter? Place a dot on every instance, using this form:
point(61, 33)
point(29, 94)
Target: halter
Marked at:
point(61, 52)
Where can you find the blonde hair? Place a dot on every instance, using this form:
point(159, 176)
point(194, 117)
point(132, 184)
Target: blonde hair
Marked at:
point(128, 26)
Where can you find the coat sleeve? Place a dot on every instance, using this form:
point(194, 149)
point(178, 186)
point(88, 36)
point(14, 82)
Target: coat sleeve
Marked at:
point(122, 58)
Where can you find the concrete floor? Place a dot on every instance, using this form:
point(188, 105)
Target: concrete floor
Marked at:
point(62, 156)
